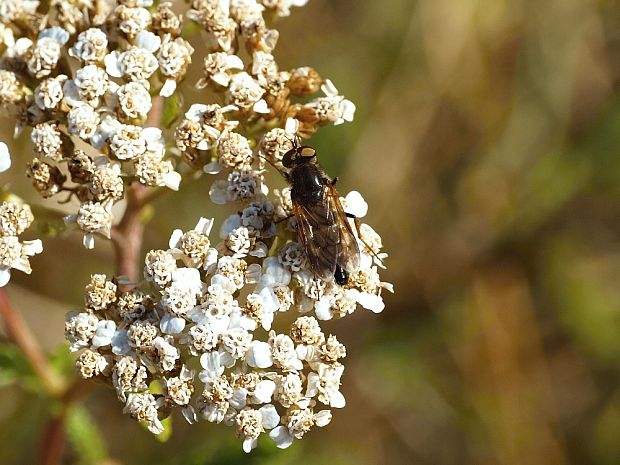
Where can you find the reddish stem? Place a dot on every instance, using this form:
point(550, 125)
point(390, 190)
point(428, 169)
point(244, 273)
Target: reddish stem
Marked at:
point(53, 445)
point(127, 235)
point(20, 334)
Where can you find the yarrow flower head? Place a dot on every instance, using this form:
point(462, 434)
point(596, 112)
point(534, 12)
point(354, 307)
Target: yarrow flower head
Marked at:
point(15, 218)
point(200, 332)
point(208, 305)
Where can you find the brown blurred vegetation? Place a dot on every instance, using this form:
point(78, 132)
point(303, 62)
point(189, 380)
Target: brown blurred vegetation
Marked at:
point(487, 144)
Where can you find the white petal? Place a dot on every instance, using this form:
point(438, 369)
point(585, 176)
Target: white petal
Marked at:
point(204, 144)
point(259, 355)
point(112, 64)
point(189, 414)
point(211, 259)
point(365, 259)
point(355, 204)
point(270, 300)
point(281, 437)
point(89, 241)
point(222, 79)
point(21, 46)
point(270, 416)
point(229, 225)
point(57, 34)
point(291, 126)
point(234, 62)
point(313, 381)
point(168, 88)
point(322, 418)
point(218, 193)
point(210, 361)
point(260, 250)
point(275, 273)
point(71, 95)
point(152, 135)
point(348, 110)
point(323, 309)
point(336, 399)
point(239, 398)
point(120, 342)
point(172, 180)
point(187, 278)
point(104, 333)
point(249, 444)
point(204, 225)
point(5, 157)
point(212, 168)
point(329, 89)
point(371, 302)
point(267, 321)
point(171, 325)
point(195, 112)
point(5, 275)
point(33, 247)
point(22, 264)
point(261, 107)
point(174, 238)
point(304, 402)
point(264, 390)
point(148, 41)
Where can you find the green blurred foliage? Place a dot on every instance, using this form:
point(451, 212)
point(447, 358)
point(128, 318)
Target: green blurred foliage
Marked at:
point(487, 144)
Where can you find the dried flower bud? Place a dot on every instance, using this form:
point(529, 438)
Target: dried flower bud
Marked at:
point(46, 179)
point(304, 81)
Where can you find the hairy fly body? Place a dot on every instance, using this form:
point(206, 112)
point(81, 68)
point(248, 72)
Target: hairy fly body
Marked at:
point(322, 225)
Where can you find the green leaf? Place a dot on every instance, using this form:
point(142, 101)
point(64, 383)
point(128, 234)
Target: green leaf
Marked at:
point(62, 361)
point(85, 437)
point(167, 432)
point(13, 366)
point(147, 214)
point(172, 109)
point(155, 387)
point(191, 28)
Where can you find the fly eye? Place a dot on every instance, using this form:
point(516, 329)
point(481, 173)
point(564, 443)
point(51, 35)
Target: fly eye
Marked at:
point(289, 157)
point(307, 152)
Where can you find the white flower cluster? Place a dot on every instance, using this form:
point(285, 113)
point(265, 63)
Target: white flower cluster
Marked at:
point(85, 87)
point(85, 83)
point(15, 218)
point(214, 307)
point(257, 97)
point(198, 333)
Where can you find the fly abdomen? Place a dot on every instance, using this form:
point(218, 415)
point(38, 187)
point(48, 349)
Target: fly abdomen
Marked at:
point(341, 276)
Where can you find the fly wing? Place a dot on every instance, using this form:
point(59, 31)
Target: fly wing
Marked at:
point(325, 233)
point(348, 251)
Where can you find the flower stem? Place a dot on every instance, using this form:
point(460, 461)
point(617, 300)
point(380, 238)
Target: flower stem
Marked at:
point(127, 238)
point(128, 234)
point(20, 334)
point(52, 444)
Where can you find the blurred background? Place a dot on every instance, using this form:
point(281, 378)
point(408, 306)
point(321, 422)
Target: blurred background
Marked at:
point(486, 141)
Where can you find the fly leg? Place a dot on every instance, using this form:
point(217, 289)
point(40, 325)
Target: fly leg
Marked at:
point(284, 219)
point(357, 223)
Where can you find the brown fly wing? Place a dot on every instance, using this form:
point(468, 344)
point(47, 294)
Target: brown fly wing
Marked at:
point(348, 251)
point(325, 233)
point(319, 237)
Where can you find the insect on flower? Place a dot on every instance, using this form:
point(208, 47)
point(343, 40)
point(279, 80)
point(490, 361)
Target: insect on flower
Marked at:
point(322, 225)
